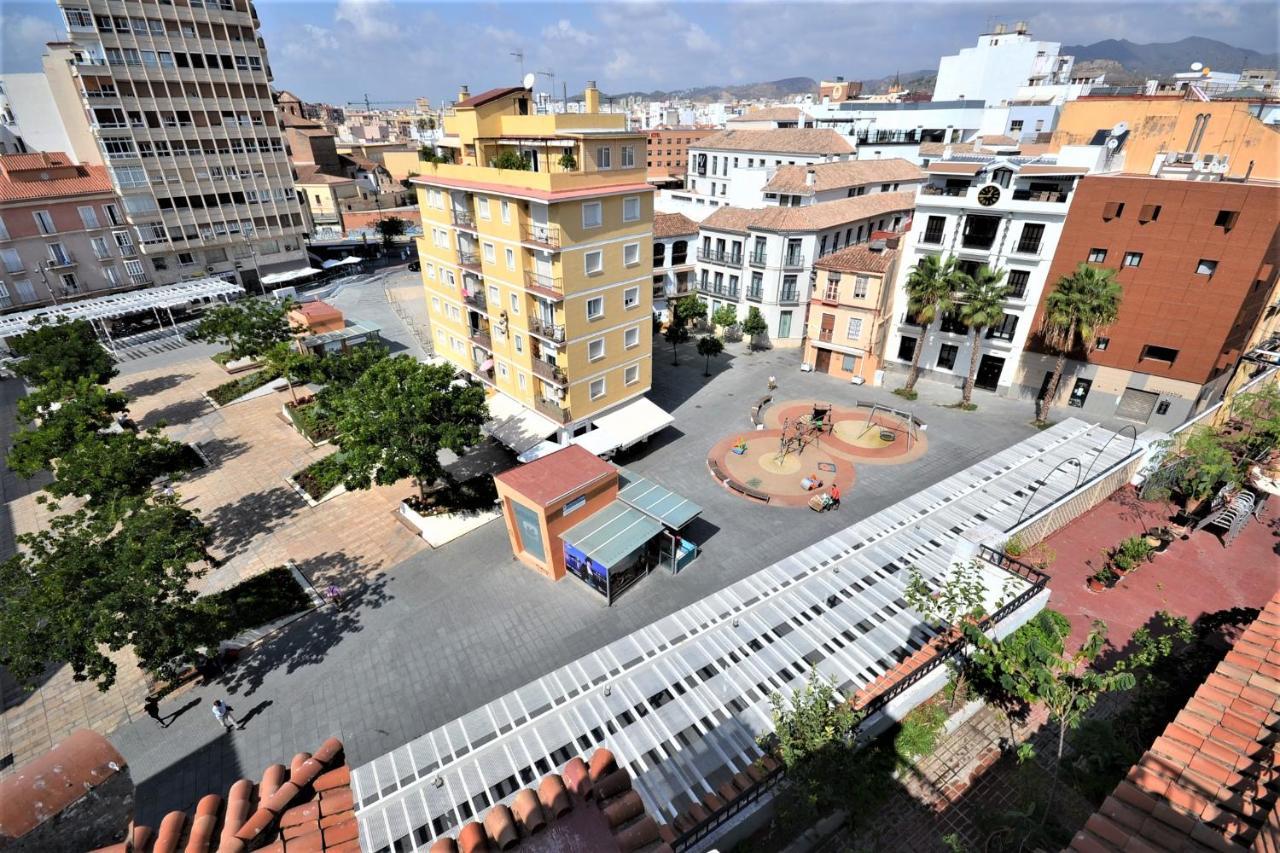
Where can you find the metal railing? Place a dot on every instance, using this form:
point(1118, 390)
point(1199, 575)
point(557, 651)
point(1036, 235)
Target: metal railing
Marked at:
point(548, 283)
point(717, 257)
point(755, 294)
point(481, 338)
point(543, 235)
point(789, 297)
point(464, 219)
point(553, 410)
point(929, 189)
point(468, 259)
point(549, 331)
point(721, 290)
point(793, 262)
point(691, 837)
point(550, 372)
point(984, 243)
point(476, 300)
point(1057, 197)
point(758, 259)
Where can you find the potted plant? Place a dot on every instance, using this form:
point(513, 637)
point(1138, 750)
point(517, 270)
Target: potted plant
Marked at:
point(1101, 579)
point(1158, 539)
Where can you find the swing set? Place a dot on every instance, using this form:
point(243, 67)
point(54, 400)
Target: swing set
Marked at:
point(888, 434)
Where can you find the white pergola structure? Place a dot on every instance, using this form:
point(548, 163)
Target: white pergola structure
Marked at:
point(99, 308)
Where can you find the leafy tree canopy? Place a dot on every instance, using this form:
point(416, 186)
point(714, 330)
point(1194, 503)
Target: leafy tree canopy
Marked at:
point(391, 227)
point(107, 470)
point(247, 328)
point(63, 352)
point(394, 420)
point(725, 316)
point(59, 416)
point(755, 323)
point(88, 582)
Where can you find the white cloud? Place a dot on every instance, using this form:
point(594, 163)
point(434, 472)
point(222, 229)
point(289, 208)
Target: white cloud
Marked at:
point(564, 30)
point(368, 19)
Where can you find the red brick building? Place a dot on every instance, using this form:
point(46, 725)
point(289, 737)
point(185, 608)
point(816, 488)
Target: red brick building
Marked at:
point(668, 147)
point(1197, 264)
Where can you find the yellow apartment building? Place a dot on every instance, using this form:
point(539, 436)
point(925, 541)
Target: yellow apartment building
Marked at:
point(850, 310)
point(538, 279)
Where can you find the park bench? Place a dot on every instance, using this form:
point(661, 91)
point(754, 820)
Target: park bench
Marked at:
point(747, 490)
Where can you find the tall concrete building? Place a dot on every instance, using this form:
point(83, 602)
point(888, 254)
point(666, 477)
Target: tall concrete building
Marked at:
point(539, 275)
point(178, 99)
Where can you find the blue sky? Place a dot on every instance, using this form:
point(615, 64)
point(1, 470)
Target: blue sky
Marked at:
point(396, 50)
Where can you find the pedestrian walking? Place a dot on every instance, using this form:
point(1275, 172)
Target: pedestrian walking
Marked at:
point(222, 713)
point(152, 707)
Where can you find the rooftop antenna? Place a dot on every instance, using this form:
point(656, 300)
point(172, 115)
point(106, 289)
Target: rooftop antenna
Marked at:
point(552, 75)
point(519, 55)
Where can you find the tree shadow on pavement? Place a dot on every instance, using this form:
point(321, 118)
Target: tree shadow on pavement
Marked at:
point(220, 450)
point(156, 384)
point(177, 413)
point(309, 640)
point(238, 523)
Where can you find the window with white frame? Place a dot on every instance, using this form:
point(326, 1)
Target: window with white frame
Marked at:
point(482, 205)
point(101, 250)
point(631, 337)
point(519, 342)
point(489, 255)
point(435, 304)
point(631, 297)
point(502, 370)
point(495, 295)
point(595, 306)
point(506, 212)
point(595, 349)
point(592, 214)
point(4, 231)
point(628, 156)
point(593, 262)
point(26, 290)
point(515, 303)
point(440, 237)
point(631, 375)
point(523, 379)
point(88, 216)
point(597, 389)
point(860, 285)
point(855, 329)
point(450, 279)
point(631, 254)
point(511, 257)
point(43, 221)
point(604, 157)
point(631, 209)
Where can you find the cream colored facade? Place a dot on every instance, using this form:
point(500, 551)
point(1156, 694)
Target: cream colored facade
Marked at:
point(849, 314)
point(539, 281)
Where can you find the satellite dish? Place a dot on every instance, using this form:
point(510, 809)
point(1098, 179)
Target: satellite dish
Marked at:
point(1113, 144)
point(1196, 66)
point(529, 80)
point(1120, 128)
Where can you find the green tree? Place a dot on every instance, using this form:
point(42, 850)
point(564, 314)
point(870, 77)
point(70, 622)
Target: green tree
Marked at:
point(1033, 666)
point(247, 328)
point(110, 470)
point(683, 311)
point(1077, 310)
point(421, 124)
point(724, 317)
point(568, 162)
point(813, 738)
point(508, 159)
point(396, 418)
point(1205, 463)
point(390, 227)
point(709, 346)
point(58, 416)
point(980, 305)
point(61, 352)
point(285, 359)
point(89, 581)
point(931, 287)
point(754, 326)
point(344, 368)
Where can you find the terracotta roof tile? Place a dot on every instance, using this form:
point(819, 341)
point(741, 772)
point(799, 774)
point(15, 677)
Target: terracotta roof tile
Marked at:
point(47, 176)
point(487, 96)
point(842, 174)
point(673, 225)
point(809, 217)
point(859, 257)
point(556, 475)
point(1206, 782)
point(790, 140)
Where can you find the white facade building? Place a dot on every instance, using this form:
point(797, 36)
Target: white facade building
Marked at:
point(1003, 212)
point(1003, 62)
point(763, 257)
point(795, 186)
point(674, 240)
point(731, 168)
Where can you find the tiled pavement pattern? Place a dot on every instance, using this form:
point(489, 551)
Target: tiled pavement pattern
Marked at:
point(681, 702)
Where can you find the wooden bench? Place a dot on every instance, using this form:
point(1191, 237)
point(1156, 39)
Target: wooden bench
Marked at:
point(746, 490)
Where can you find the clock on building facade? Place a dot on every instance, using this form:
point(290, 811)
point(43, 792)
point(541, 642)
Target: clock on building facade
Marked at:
point(988, 195)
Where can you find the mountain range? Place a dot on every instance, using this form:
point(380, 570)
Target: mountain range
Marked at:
point(1122, 60)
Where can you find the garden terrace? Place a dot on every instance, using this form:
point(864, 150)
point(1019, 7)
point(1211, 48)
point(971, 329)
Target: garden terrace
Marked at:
point(681, 702)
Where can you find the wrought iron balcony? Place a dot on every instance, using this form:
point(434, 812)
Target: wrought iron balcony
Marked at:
point(464, 219)
point(469, 260)
point(481, 338)
point(550, 372)
point(544, 285)
point(793, 261)
point(476, 300)
point(545, 330)
point(547, 236)
point(730, 259)
point(758, 259)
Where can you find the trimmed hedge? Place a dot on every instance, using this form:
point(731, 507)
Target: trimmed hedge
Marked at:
point(321, 476)
point(228, 391)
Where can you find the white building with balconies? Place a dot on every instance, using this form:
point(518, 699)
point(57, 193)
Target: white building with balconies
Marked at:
point(674, 237)
point(1005, 213)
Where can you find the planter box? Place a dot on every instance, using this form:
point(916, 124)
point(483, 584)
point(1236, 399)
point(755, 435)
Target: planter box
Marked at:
point(239, 365)
point(286, 413)
point(306, 496)
point(442, 527)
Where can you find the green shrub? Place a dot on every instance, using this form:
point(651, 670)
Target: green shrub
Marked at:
point(318, 478)
point(918, 733)
point(1013, 546)
point(228, 391)
point(260, 600)
point(311, 420)
point(906, 394)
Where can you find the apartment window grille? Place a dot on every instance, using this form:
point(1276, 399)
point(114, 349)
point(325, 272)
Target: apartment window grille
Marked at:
point(933, 230)
point(1017, 281)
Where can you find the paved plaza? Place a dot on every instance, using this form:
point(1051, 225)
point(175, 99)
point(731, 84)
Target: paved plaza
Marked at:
point(431, 634)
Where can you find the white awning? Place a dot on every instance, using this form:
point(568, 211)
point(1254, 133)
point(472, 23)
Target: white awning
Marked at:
point(290, 275)
point(539, 450)
point(349, 259)
point(624, 427)
point(120, 304)
point(516, 426)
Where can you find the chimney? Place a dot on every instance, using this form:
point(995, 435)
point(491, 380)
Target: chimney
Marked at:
point(810, 177)
point(591, 98)
point(464, 93)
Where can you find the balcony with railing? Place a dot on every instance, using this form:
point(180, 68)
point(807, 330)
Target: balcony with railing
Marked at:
point(480, 337)
point(553, 410)
point(469, 260)
point(825, 335)
point(1050, 196)
point(718, 290)
point(464, 219)
point(758, 258)
point(546, 330)
point(544, 235)
point(552, 287)
point(714, 256)
point(475, 299)
point(755, 294)
point(61, 260)
point(954, 191)
point(789, 296)
point(793, 261)
point(553, 373)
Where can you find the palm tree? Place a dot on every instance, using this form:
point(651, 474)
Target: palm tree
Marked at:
point(1080, 306)
point(930, 287)
point(981, 304)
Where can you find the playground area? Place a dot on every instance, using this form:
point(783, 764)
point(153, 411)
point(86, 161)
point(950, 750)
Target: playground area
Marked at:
point(801, 449)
